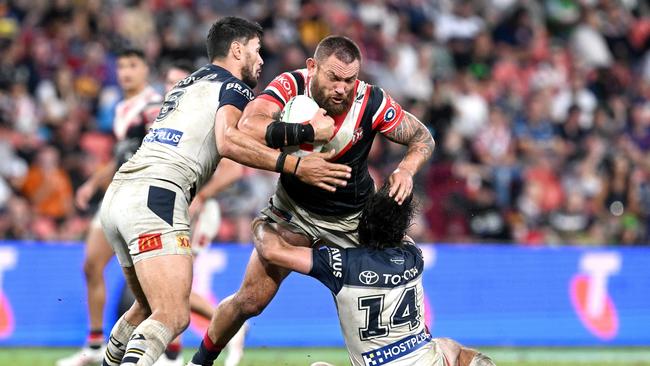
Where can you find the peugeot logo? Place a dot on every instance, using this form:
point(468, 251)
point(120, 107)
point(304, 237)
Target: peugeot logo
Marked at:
point(368, 277)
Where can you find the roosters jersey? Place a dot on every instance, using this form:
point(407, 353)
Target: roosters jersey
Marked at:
point(379, 299)
point(371, 111)
point(180, 146)
point(132, 119)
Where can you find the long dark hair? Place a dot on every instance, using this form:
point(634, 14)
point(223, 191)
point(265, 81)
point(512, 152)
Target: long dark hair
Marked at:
point(383, 222)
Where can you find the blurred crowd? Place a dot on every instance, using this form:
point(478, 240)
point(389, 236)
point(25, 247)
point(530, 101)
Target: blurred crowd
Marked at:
point(540, 109)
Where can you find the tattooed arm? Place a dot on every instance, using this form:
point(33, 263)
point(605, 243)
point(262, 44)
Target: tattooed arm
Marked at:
point(412, 133)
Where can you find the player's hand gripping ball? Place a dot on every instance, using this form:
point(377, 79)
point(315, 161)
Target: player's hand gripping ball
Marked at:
point(300, 109)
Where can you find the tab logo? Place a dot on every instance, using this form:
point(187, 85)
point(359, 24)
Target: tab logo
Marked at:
point(588, 291)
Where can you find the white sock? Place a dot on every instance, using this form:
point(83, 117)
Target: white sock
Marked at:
point(117, 341)
point(147, 343)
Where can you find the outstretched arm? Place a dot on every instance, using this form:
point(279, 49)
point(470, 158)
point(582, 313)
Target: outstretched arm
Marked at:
point(270, 246)
point(412, 133)
point(243, 148)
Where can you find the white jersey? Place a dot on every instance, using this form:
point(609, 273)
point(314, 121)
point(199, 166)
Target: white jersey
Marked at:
point(379, 299)
point(180, 146)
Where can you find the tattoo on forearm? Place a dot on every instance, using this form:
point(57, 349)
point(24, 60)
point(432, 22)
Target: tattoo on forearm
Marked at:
point(411, 132)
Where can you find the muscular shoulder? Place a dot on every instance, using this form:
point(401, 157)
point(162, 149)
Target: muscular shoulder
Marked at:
point(286, 86)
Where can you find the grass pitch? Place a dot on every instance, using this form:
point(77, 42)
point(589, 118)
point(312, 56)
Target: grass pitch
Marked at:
point(338, 357)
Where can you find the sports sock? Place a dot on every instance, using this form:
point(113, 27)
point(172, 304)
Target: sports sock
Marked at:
point(95, 339)
point(117, 341)
point(147, 343)
point(173, 350)
point(207, 353)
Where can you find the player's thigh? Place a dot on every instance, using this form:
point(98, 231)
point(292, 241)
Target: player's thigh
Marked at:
point(261, 281)
point(166, 281)
point(98, 251)
point(143, 310)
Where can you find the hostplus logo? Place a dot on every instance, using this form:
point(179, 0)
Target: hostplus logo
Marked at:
point(8, 258)
point(589, 296)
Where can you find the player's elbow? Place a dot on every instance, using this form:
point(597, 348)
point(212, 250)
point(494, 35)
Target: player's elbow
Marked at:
point(247, 126)
point(226, 146)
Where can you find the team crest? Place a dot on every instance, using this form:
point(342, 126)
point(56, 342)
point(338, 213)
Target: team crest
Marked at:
point(358, 135)
point(390, 114)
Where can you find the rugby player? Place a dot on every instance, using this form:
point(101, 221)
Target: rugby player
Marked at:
point(304, 215)
point(377, 288)
point(132, 118)
point(227, 172)
point(145, 210)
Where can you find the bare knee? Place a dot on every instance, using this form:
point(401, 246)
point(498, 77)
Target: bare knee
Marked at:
point(93, 269)
point(175, 318)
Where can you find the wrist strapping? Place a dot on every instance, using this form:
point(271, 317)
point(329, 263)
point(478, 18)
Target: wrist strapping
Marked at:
point(280, 134)
point(279, 164)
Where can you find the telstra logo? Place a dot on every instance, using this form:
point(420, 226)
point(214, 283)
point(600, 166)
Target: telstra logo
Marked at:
point(8, 258)
point(589, 296)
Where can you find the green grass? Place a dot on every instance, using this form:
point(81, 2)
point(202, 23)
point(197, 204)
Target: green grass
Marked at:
point(305, 356)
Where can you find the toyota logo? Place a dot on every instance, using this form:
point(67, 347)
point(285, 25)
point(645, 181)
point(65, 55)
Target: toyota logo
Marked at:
point(368, 277)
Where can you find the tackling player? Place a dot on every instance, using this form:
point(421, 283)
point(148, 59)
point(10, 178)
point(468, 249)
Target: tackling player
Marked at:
point(305, 215)
point(145, 210)
point(132, 118)
point(377, 288)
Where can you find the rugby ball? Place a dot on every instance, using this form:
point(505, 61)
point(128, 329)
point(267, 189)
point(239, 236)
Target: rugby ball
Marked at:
point(300, 109)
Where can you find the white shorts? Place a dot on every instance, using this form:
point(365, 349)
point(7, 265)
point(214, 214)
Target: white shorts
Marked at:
point(340, 231)
point(144, 218)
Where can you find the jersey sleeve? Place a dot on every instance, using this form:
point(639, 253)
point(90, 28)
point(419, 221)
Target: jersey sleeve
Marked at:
point(234, 92)
point(284, 87)
point(388, 115)
point(327, 267)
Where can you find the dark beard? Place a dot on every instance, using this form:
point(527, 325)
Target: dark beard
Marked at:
point(248, 78)
point(321, 99)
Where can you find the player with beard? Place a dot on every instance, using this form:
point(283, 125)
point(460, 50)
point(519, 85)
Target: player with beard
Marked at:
point(145, 210)
point(305, 215)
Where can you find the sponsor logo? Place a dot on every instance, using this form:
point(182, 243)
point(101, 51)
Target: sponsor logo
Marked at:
point(396, 279)
point(286, 84)
point(368, 277)
point(8, 259)
point(358, 135)
point(336, 262)
point(396, 350)
point(137, 337)
point(165, 136)
point(398, 261)
point(390, 114)
point(589, 296)
point(149, 242)
point(183, 241)
point(245, 92)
